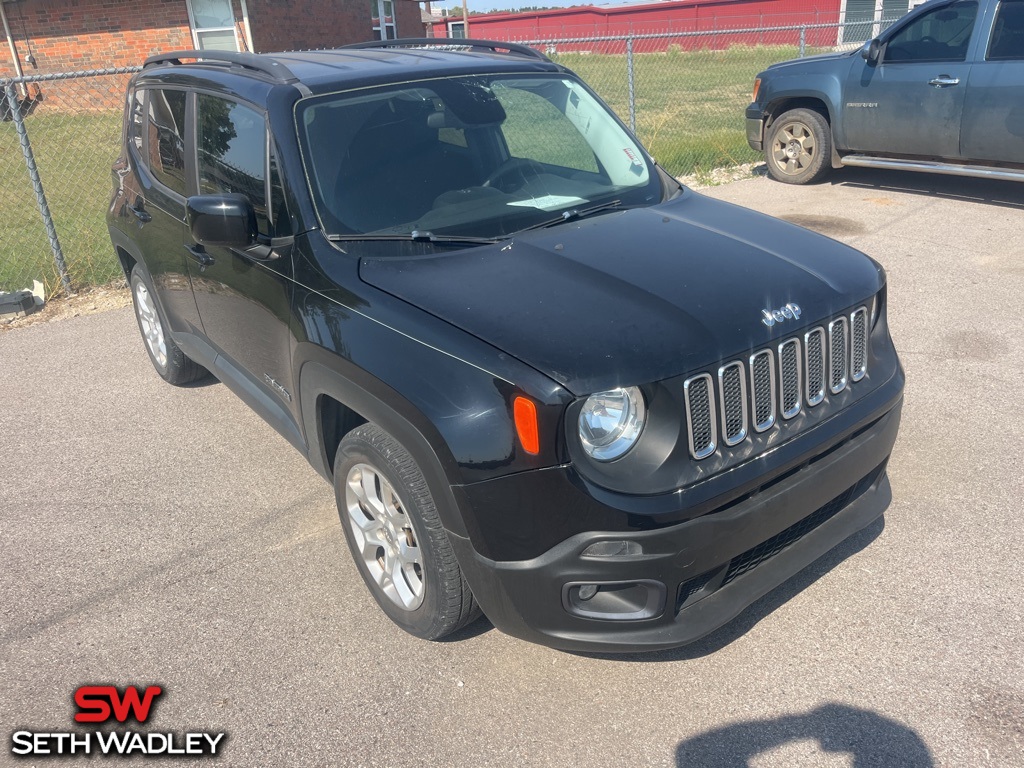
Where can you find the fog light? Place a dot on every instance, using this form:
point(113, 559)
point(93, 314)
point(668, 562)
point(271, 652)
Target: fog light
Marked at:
point(587, 591)
point(615, 600)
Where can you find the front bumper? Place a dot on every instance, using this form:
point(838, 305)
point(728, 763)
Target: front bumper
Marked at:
point(670, 586)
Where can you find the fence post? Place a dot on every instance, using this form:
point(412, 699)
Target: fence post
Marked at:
point(37, 186)
point(629, 79)
point(803, 42)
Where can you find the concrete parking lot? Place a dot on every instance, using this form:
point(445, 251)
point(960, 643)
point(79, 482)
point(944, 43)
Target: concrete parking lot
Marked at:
point(153, 535)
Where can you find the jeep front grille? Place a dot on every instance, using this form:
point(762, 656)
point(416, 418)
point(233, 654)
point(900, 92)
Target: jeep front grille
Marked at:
point(814, 365)
point(859, 344)
point(732, 392)
point(762, 384)
point(781, 381)
point(700, 415)
point(837, 355)
point(789, 388)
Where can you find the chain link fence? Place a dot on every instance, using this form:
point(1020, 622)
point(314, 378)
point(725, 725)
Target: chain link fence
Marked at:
point(682, 92)
point(59, 136)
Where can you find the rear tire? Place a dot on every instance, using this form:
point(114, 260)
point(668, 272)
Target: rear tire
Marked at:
point(798, 149)
point(396, 537)
point(168, 359)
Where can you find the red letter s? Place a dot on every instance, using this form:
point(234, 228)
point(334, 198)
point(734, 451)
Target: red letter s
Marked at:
point(92, 703)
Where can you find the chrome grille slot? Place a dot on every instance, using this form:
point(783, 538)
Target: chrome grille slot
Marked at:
point(814, 365)
point(700, 415)
point(858, 344)
point(762, 389)
point(732, 393)
point(837, 355)
point(789, 378)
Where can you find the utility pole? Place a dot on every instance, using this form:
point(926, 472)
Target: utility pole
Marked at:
point(465, 19)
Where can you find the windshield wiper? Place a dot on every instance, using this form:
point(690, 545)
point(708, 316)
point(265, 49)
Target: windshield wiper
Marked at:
point(574, 214)
point(416, 236)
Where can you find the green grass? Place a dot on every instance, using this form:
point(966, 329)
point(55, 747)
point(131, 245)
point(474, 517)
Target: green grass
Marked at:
point(689, 114)
point(73, 154)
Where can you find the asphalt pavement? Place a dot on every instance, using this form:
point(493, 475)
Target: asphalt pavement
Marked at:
point(154, 535)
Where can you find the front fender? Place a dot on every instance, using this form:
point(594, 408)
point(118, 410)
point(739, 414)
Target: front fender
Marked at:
point(323, 375)
point(781, 91)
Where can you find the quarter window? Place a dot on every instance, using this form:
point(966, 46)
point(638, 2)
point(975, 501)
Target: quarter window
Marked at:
point(166, 128)
point(232, 143)
point(941, 35)
point(1008, 32)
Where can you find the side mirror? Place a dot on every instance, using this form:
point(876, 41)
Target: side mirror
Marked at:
point(228, 221)
point(871, 50)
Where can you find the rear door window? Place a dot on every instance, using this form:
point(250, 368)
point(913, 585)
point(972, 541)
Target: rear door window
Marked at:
point(166, 129)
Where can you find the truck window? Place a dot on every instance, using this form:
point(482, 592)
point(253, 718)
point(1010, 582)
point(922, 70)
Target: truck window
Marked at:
point(941, 35)
point(1007, 42)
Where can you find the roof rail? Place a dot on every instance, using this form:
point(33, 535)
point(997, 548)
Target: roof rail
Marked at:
point(453, 42)
point(263, 64)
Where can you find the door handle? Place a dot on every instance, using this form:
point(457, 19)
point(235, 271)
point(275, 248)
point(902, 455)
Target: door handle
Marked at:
point(199, 255)
point(944, 80)
point(139, 212)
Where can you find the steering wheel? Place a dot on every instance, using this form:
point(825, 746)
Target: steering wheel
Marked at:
point(518, 166)
point(928, 39)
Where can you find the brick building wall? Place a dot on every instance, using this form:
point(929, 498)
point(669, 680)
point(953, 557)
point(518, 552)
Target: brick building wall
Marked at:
point(92, 34)
point(282, 25)
point(71, 35)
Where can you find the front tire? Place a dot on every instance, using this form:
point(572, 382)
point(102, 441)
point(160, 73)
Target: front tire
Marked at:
point(396, 537)
point(168, 359)
point(799, 147)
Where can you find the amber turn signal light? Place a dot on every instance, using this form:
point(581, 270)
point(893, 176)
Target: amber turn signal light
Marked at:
point(526, 424)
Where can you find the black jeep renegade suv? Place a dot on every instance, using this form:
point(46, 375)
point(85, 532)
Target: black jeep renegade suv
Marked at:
point(548, 382)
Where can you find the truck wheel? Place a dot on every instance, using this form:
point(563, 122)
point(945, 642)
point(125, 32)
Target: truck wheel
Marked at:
point(799, 147)
point(396, 537)
point(170, 362)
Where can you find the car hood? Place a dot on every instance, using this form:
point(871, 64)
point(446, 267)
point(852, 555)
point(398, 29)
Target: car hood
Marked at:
point(636, 296)
point(816, 59)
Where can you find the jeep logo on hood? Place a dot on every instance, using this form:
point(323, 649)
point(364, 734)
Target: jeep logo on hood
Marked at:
point(772, 316)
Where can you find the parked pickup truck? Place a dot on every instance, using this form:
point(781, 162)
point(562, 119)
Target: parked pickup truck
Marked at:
point(942, 90)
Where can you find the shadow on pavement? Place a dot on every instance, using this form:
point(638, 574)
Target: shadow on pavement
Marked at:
point(1006, 194)
point(750, 617)
point(871, 739)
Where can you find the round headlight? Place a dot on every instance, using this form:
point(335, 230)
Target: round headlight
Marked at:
point(611, 422)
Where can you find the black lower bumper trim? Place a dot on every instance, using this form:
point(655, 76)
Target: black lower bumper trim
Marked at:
point(712, 567)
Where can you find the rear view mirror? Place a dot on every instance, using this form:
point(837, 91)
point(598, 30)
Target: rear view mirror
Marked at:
point(228, 221)
point(871, 50)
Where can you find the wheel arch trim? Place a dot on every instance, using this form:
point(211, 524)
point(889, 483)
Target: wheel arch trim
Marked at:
point(361, 393)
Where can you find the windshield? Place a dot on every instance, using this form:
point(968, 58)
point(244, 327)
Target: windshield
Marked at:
point(472, 157)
